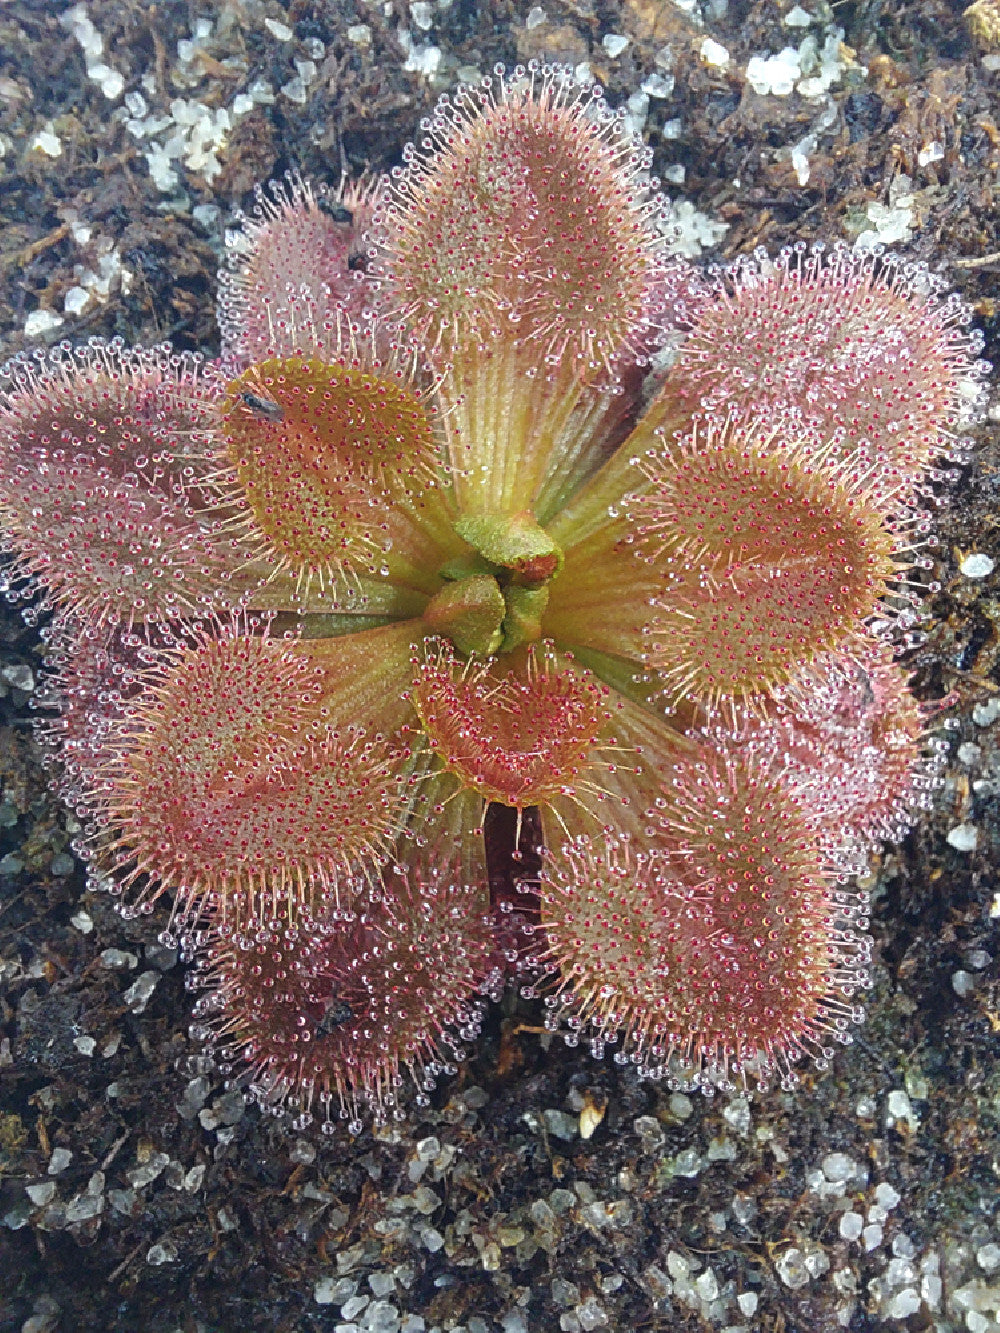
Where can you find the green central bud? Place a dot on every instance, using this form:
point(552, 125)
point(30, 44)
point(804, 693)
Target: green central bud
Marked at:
point(494, 597)
point(515, 543)
point(470, 612)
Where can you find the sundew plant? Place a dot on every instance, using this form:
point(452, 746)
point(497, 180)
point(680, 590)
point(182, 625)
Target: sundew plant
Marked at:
point(488, 500)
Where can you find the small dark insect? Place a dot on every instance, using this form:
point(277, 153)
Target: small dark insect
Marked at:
point(263, 407)
point(357, 259)
point(337, 1013)
point(865, 681)
point(334, 209)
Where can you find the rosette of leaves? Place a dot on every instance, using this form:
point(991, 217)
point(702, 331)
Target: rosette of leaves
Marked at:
point(433, 534)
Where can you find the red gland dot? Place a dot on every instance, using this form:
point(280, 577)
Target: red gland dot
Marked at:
point(295, 268)
point(319, 453)
point(104, 455)
point(227, 782)
point(331, 1015)
point(520, 732)
point(867, 349)
point(720, 952)
point(526, 213)
point(764, 561)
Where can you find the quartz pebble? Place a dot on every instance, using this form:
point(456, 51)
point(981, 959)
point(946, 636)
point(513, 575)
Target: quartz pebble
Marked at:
point(279, 31)
point(976, 566)
point(791, 1268)
point(59, 1161)
point(650, 1132)
point(713, 53)
point(146, 1172)
point(737, 1114)
point(89, 1203)
point(707, 1286)
point(114, 958)
point(560, 1124)
point(42, 1194)
point(20, 676)
point(513, 1322)
point(164, 1252)
point(591, 1314)
point(837, 1166)
point(903, 1304)
point(680, 1106)
point(963, 983)
point(964, 837)
point(140, 992)
point(985, 714)
point(886, 1196)
point(324, 1292)
point(898, 1109)
point(872, 1236)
